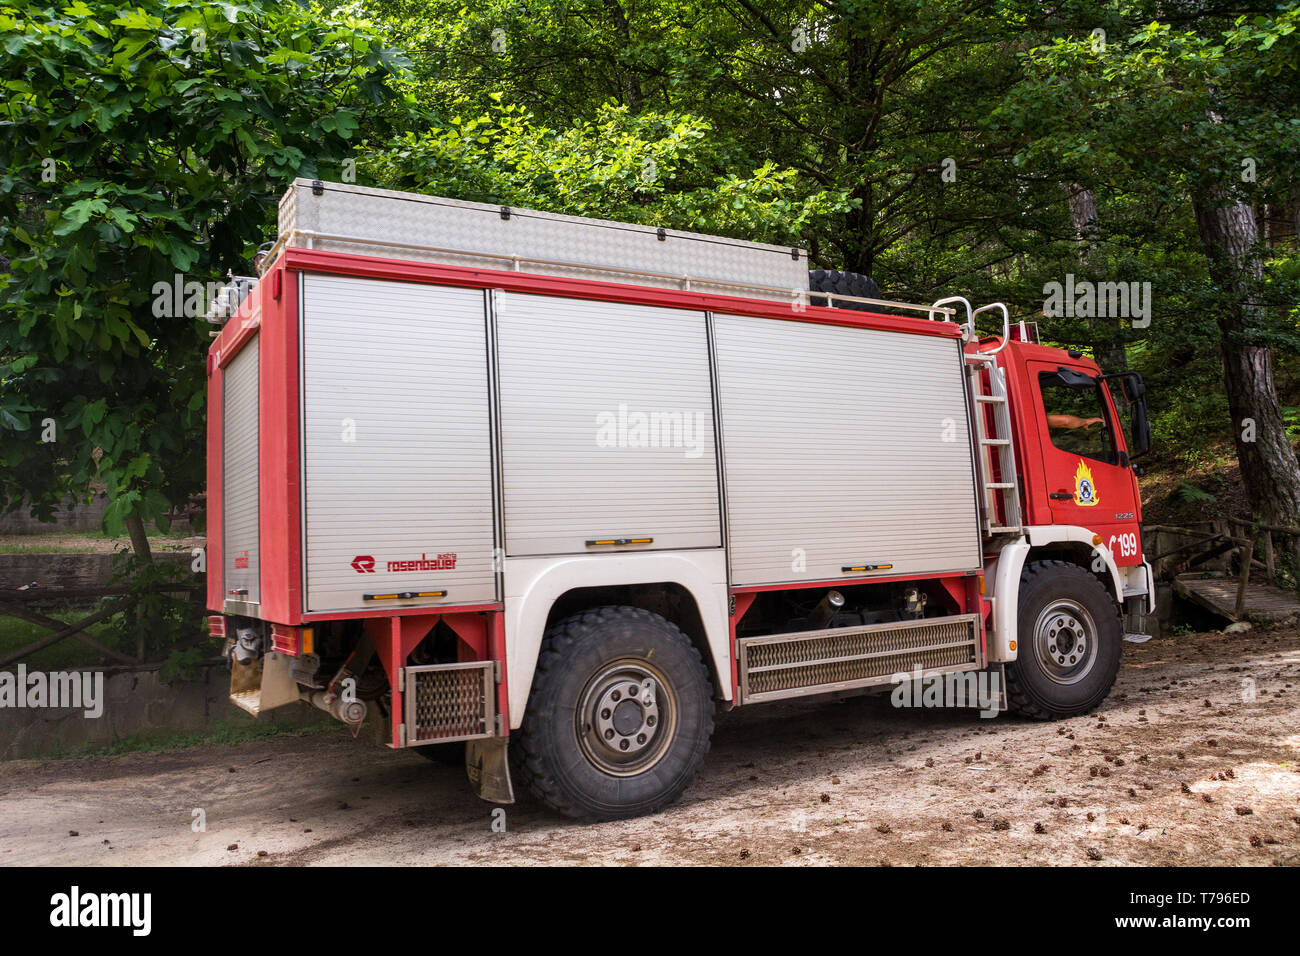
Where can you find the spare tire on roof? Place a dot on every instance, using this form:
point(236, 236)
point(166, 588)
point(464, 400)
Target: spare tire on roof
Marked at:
point(842, 283)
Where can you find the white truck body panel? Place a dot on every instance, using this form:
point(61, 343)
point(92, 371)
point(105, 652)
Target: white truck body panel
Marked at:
point(606, 425)
point(381, 222)
point(533, 584)
point(843, 447)
point(397, 444)
point(239, 463)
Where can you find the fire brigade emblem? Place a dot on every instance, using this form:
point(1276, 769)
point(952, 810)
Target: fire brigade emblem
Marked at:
point(1085, 492)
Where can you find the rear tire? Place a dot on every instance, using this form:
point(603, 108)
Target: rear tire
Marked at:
point(1070, 635)
point(843, 283)
point(619, 718)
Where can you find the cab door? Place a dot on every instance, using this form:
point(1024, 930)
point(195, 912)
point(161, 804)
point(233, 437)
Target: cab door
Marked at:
point(1089, 481)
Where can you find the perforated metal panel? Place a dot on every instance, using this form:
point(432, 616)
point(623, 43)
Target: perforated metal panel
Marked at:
point(397, 453)
point(446, 702)
point(606, 426)
point(382, 222)
point(846, 448)
point(814, 662)
point(239, 507)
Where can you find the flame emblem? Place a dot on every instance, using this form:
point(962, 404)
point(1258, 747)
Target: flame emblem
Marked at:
point(1085, 492)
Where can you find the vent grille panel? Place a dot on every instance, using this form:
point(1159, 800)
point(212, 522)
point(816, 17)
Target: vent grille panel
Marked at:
point(447, 702)
point(811, 662)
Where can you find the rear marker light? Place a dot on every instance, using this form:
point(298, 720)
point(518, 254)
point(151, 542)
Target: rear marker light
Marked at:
point(216, 625)
point(403, 595)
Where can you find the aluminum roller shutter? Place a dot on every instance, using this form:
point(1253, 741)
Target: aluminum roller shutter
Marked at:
point(407, 505)
point(239, 507)
point(844, 447)
point(606, 426)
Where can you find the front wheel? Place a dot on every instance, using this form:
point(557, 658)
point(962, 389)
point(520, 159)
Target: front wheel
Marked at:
point(619, 718)
point(1069, 635)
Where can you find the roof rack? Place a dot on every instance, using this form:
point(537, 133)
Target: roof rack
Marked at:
point(229, 298)
point(796, 295)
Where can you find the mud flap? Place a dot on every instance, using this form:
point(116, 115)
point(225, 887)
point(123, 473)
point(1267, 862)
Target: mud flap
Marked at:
point(259, 686)
point(488, 769)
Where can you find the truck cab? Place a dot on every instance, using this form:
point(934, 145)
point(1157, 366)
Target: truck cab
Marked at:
point(1080, 432)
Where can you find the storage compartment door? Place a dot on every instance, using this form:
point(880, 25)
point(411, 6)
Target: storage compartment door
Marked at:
point(606, 427)
point(845, 448)
point(397, 445)
point(239, 469)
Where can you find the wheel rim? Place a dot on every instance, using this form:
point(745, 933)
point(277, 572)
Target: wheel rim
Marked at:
point(626, 718)
point(1065, 639)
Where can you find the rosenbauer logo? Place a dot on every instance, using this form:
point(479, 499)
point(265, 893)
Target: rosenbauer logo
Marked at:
point(365, 564)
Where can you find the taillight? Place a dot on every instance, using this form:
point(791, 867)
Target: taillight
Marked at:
point(293, 641)
point(216, 625)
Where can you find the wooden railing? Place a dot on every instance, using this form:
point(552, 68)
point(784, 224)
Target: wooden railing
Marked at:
point(1228, 537)
point(19, 603)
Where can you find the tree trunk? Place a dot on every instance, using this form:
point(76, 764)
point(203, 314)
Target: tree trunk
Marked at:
point(1229, 234)
point(139, 540)
point(629, 85)
point(1295, 208)
point(1108, 348)
point(1083, 211)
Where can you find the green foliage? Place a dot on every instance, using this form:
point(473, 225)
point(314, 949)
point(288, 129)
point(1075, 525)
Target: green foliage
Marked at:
point(138, 143)
point(656, 169)
point(181, 665)
point(1193, 495)
point(218, 733)
point(164, 624)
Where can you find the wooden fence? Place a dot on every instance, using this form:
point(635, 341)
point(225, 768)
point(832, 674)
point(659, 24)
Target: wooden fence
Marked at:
point(21, 603)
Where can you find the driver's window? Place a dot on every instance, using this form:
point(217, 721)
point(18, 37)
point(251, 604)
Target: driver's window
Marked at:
point(1076, 418)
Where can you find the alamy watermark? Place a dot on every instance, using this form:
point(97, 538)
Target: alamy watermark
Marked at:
point(628, 428)
point(977, 689)
point(126, 910)
point(57, 689)
point(180, 297)
point(1100, 300)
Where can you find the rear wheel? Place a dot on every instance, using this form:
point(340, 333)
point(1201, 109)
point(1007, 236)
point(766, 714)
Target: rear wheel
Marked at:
point(843, 283)
point(1069, 635)
point(619, 718)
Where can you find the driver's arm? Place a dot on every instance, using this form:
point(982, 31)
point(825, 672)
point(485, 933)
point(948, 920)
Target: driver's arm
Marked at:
point(1072, 421)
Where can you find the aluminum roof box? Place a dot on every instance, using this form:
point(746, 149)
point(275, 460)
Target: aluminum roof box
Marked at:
point(340, 217)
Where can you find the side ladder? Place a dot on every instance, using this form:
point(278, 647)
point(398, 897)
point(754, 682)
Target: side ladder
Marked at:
point(997, 456)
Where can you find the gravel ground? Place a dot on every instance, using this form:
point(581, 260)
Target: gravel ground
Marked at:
point(1178, 767)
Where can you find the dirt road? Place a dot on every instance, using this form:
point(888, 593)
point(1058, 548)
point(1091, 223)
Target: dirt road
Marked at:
point(1179, 767)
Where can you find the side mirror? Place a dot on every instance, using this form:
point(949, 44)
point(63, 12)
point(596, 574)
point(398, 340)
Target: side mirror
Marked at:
point(1135, 391)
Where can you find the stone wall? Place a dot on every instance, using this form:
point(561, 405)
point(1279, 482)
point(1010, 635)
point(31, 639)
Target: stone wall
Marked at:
point(69, 570)
point(69, 518)
point(136, 702)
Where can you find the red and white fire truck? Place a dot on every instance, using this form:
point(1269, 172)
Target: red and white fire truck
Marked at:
point(543, 493)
